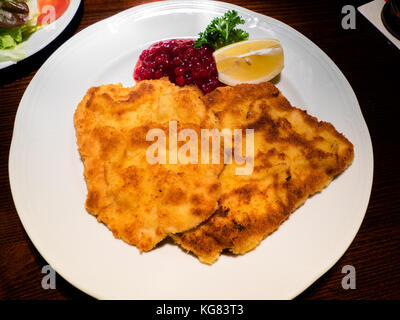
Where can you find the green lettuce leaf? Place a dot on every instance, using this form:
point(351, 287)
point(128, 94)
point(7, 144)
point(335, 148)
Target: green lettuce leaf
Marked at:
point(11, 37)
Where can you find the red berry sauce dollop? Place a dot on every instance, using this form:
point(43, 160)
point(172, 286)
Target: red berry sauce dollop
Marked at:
point(181, 62)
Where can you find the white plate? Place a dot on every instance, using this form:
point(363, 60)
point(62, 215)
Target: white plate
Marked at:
point(46, 173)
point(47, 34)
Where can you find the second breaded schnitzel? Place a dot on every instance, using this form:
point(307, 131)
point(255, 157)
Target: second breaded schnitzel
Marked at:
point(295, 157)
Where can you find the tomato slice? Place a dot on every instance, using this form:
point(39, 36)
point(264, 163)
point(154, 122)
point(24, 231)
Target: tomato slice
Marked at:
point(51, 10)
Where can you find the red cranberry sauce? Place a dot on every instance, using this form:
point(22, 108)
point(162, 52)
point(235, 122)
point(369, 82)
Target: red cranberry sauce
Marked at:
point(181, 62)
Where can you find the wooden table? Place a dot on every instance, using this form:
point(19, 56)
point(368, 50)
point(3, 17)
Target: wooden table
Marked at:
point(372, 66)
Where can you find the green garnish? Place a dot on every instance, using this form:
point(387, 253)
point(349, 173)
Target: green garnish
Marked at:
point(11, 37)
point(221, 31)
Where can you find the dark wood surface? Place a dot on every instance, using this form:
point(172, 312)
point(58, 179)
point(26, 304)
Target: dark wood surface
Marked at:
point(372, 66)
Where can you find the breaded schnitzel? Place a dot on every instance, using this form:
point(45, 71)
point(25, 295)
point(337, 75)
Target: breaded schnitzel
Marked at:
point(141, 202)
point(295, 157)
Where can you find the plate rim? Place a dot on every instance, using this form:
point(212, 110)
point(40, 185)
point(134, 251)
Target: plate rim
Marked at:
point(154, 5)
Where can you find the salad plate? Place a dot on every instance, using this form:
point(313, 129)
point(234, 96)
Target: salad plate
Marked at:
point(40, 38)
point(49, 190)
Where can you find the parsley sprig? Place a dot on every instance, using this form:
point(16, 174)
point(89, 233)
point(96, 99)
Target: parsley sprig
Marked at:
point(221, 31)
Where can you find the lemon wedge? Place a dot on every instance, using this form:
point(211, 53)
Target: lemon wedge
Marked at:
point(249, 61)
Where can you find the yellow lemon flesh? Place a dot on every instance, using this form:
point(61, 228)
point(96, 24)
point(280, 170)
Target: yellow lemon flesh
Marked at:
point(250, 61)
